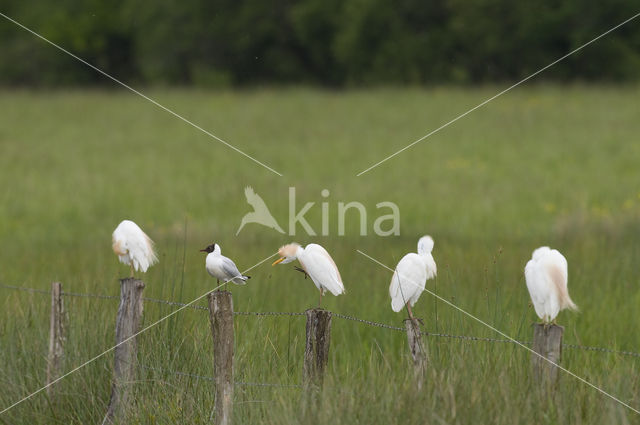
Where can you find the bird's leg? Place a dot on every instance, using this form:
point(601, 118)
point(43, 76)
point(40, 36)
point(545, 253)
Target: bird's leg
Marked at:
point(320, 300)
point(302, 271)
point(131, 265)
point(410, 312)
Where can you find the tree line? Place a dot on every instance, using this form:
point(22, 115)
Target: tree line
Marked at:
point(335, 43)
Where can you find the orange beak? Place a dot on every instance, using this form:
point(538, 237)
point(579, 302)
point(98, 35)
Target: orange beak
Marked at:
point(278, 261)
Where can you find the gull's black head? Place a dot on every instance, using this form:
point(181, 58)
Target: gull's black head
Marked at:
point(210, 248)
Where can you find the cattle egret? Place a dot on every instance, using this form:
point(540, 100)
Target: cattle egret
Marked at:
point(546, 276)
point(221, 267)
point(316, 263)
point(133, 246)
point(410, 276)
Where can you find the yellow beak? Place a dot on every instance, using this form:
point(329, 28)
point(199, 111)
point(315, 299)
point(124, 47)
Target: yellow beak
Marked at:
point(278, 261)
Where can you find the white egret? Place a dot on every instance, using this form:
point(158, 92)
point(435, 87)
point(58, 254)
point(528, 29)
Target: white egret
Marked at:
point(133, 247)
point(546, 276)
point(221, 267)
point(410, 276)
point(316, 263)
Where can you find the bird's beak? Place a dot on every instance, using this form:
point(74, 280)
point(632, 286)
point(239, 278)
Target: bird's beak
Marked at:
point(278, 261)
point(203, 250)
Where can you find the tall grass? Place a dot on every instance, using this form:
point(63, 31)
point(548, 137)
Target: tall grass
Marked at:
point(541, 165)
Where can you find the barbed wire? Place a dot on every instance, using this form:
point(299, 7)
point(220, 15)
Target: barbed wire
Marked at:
point(21, 288)
point(476, 338)
point(484, 339)
point(601, 349)
point(176, 303)
point(235, 313)
point(268, 313)
point(367, 322)
point(426, 333)
point(153, 300)
point(338, 315)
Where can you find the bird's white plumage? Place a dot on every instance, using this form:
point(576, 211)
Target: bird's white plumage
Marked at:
point(321, 268)
point(411, 274)
point(133, 247)
point(317, 263)
point(223, 268)
point(546, 275)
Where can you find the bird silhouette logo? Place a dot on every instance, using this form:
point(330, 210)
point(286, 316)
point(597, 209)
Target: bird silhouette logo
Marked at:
point(260, 213)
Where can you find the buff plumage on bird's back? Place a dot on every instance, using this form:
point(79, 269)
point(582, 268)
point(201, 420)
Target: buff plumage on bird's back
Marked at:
point(546, 275)
point(317, 264)
point(133, 247)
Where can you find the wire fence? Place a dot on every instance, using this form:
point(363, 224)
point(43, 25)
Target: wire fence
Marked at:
point(338, 315)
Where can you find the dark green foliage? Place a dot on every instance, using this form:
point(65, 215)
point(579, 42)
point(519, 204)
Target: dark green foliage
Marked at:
point(351, 42)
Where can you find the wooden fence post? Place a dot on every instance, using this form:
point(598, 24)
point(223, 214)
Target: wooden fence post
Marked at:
point(547, 341)
point(318, 339)
point(56, 336)
point(418, 353)
point(221, 319)
point(127, 324)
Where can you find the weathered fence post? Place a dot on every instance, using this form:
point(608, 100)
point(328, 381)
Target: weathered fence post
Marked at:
point(221, 319)
point(418, 353)
point(127, 324)
point(547, 341)
point(56, 336)
point(318, 339)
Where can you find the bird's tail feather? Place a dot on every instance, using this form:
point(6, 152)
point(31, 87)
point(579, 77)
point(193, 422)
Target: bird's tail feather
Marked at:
point(565, 300)
point(396, 304)
point(568, 303)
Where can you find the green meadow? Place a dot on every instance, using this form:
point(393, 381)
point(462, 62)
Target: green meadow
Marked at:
point(541, 165)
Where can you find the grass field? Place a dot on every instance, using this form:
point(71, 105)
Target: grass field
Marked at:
point(542, 165)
